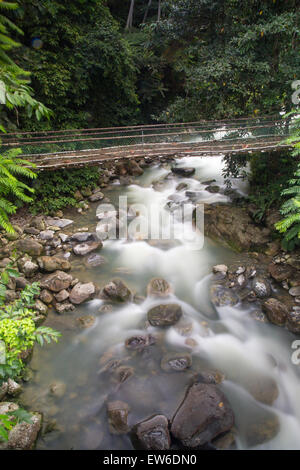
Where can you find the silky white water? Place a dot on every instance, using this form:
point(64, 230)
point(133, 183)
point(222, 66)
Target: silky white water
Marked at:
point(253, 356)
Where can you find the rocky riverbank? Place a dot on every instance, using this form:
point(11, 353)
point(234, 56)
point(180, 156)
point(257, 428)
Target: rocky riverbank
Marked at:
point(45, 249)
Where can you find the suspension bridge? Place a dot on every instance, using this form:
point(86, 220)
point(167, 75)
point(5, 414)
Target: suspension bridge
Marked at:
point(81, 147)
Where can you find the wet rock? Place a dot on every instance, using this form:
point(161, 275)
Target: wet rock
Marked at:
point(164, 315)
point(117, 412)
point(23, 436)
point(276, 311)
point(38, 222)
point(64, 307)
point(21, 283)
point(56, 222)
point(46, 235)
point(62, 295)
point(261, 287)
point(220, 268)
point(124, 373)
point(53, 263)
point(263, 429)
point(81, 237)
point(46, 296)
point(29, 230)
point(63, 237)
point(41, 307)
point(221, 296)
point(56, 281)
point(293, 321)
point(295, 291)
point(159, 287)
point(83, 249)
point(134, 168)
point(13, 388)
point(208, 377)
point(140, 342)
point(213, 189)
point(181, 186)
point(176, 362)
point(98, 196)
point(82, 292)
point(58, 389)
point(152, 434)
point(203, 415)
point(86, 321)
point(225, 442)
point(117, 290)
point(95, 260)
point(106, 308)
point(233, 226)
point(29, 269)
point(182, 171)
point(262, 388)
point(280, 272)
point(29, 246)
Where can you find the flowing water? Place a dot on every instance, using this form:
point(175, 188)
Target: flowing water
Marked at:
point(253, 356)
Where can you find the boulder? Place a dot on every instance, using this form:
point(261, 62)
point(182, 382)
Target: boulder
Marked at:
point(46, 296)
point(221, 296)
point(98, 196)
point(164, 315)
point(117, 412)
point(280, 272)
point(95, 260)
point(213, 189)
point(140, 342)
point(261, 287)
point(13, 388)
point(56, 281)
point(30, 246)
point(40, 307)
point(82, 292)
point(22, 436)
point(53, 263)
point(57, 222)
point(117, 290)
point(181, 171)
point(159, 287)
point(81, 237)
point(62, 295)
point(152, 434)
point(29, 269)
point(232, 225)
point(62, 308)
point(83, 249)
point(203, 415)
point(176, 362)
point(293, 321)
point(38, 223)
point(276, 311)
point(220, 268)
point(133, 168)
point(46, 235)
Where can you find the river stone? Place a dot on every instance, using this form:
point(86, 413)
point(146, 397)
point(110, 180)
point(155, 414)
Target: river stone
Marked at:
point(29, 268)
point(82, 292)
point(46, 296)
point(159, 287)
point(81, 237)
point(29, 230)
point(29, 246)
point(140, 342)
point(280, 272)
point(86, 321)
point(3, 390)
point(222, 296)
point(58, 389)
point(83, 249)
point(164, 315)
point(63, 307)
point(13, 388)
point(23, 435)
point(293, 321)
point(208, 377)
point(57, 222)
point(95, 260)
point(56, 281)
point(261, 287)
point(46, 235)
point(117, 290)
point(98, 196)
point(276, 311)
point(220, 268)
point(152, 434)
point(117, 412)
point(203, 415)
point(212, 189)
point(41, 307)
point(183, 171)
point(295, 291)
point(62, 295)
point(53, 263)
point(176, 362)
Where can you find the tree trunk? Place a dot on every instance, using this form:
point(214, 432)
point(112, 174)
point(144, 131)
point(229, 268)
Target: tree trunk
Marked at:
point(159, 10)
point(147, 11)
point(130, 16)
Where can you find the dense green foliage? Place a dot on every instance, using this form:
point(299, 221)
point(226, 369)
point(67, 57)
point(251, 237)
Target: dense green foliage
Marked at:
point(18, 330)
point(290, 209)
point(55, 190)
